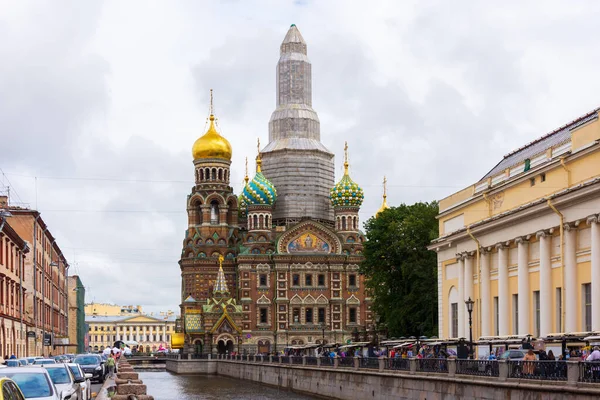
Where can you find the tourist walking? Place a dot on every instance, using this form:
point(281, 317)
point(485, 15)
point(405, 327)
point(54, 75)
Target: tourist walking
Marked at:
point(528, 366)
point(110, 363)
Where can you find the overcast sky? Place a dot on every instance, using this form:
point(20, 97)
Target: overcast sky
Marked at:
point(102, 101)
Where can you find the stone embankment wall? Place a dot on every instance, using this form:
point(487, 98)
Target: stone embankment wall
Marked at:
point(351, 384)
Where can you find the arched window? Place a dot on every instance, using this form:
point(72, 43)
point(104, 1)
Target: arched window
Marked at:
point(261, 222)
point(267, 226)
point(207, 174)
point(254, 222)
point(343, 223)
point(355, 223)
point(220, 174)
point(201, 175)
point(214, 174)
point(225, 175)
point(214, 212)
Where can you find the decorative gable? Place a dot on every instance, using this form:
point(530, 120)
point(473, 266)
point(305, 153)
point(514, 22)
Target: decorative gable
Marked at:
point(309, 237)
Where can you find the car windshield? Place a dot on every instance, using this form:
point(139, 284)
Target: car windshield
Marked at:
point(86, 360)
point(59, 375)
point(75, 371)
point(31, 384)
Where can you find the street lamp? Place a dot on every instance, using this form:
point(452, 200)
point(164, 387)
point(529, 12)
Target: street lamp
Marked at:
point(469, 304)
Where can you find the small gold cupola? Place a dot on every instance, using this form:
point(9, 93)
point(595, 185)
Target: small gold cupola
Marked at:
point(384, 204)
point(212, 144)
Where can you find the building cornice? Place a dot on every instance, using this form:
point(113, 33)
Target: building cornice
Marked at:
point(527, 211)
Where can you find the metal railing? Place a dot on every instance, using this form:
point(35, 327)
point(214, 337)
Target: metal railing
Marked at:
point(285, 359)
point(477, 367)
point(296, 359)
point(589, 371)
point(432, 365)
point(368, 362)
point(346, 362)
point(543, 370)
point(311, 360)
point(397, 364)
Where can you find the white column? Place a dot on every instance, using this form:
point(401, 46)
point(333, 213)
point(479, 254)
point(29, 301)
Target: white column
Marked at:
point(503, 308)
point(484, 281)
point(468, 291)
point(595, 239)
point(461, 296)
point(137, 333)
point(569, 292)
point(545, 284)
point(164, 334)
point(523, 284)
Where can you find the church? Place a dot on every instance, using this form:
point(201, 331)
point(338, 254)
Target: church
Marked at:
point(278, 265)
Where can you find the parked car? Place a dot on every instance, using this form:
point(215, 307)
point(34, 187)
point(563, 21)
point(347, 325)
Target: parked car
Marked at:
point(42, 361)
point(12, 363)
point(30, 360)
point(86, 385)
point(92, 364)
point(34, 382)
point(66, 384)
point(24, 362)
point(512, 355)
point(9, 390)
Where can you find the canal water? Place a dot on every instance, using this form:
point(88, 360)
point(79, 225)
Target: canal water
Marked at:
point(164, 385)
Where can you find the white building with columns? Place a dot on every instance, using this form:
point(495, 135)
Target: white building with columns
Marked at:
point(524, 242)
point(148, 331)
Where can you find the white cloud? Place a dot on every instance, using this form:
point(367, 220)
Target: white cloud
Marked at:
point(430, 93)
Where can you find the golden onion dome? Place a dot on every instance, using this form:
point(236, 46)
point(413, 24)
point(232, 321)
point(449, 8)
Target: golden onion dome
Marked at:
point(211, 144)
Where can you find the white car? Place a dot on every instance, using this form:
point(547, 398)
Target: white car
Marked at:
point(66, 384)
point(34, 382)
point(44, 361)
point(86, 386)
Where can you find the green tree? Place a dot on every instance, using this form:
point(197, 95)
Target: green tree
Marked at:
point(400, 273)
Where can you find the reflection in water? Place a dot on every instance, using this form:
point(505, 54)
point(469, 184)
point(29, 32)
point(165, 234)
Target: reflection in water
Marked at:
point(167, 386)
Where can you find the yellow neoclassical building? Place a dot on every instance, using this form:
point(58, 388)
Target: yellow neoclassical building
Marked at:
point(128, 325)
point(524, 242)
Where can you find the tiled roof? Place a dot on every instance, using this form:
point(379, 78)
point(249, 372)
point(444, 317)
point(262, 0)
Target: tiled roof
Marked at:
point(554, 138)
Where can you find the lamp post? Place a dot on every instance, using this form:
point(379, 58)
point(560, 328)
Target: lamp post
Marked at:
point(469, 304)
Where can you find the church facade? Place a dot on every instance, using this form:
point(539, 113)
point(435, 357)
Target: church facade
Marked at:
point(277, 265)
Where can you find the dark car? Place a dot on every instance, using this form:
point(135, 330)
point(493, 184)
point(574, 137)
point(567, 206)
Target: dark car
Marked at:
point(92, 364)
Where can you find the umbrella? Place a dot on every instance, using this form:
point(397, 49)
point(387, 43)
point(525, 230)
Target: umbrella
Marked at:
point(106, 351)
point(451, 352)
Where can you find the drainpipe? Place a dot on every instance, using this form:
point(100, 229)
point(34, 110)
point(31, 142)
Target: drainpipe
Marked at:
point(478, 279)
point(562, 257)
point(562, 163)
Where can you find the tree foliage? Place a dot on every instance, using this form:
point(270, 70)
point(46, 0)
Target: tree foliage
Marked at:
point(400, 273)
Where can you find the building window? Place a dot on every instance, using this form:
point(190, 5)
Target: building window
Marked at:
point(558, 309)
point(352, 280)
point(308, 280)
point(321, 279)
point(262, 279)
point(309, 315)
point(515, 301)
point(263, 316)
point(543, 179)
point(532, 181)
point(296, 315)
point(352, 315)
point(454, 319)
point(496, 317)
point(536, 313)
point(96, 328)
point(214, 212)
point(321, 315)
point(587, 306)
point(295, 280)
